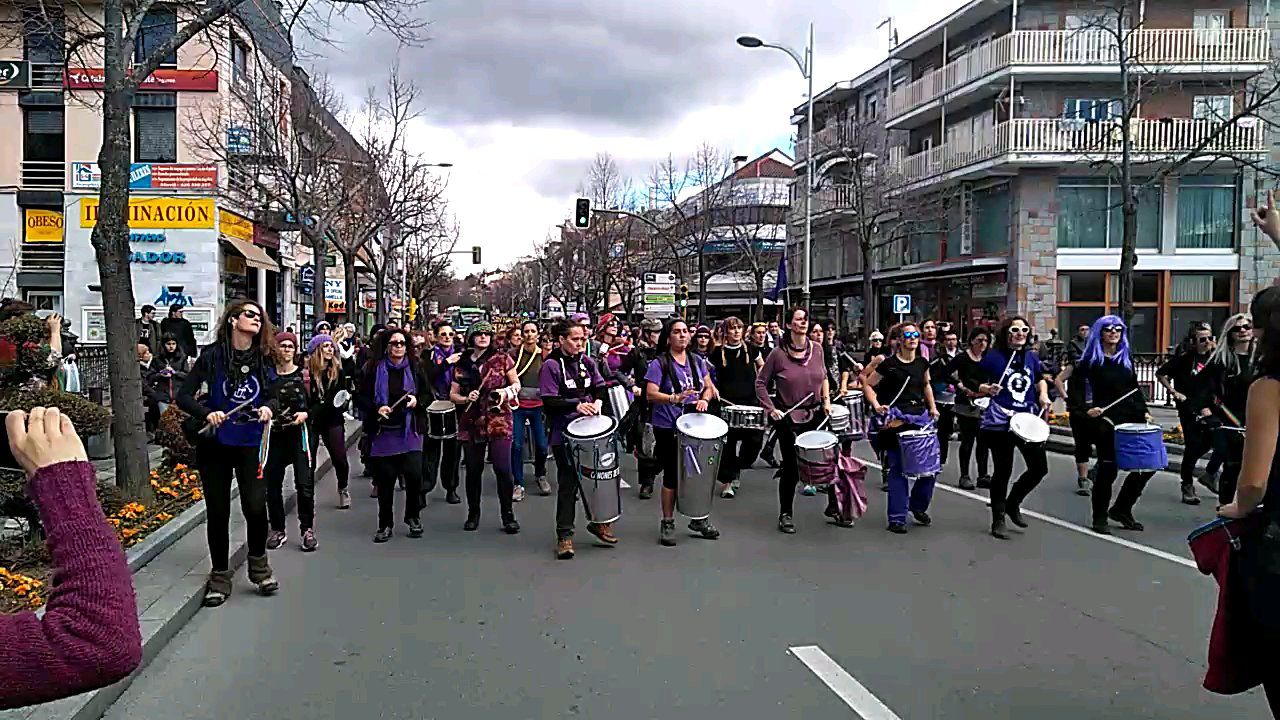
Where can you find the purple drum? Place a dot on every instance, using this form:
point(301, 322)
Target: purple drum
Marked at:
point(921, 455)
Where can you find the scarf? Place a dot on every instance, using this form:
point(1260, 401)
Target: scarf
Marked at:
point(381, 391)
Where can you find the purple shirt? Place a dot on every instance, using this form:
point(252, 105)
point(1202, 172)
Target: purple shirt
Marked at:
point(792, 379)
point(440, 382)
point(583, 378)
point(665, 415)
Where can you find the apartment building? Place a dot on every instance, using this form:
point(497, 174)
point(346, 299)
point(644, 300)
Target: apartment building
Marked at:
point(1007, 115)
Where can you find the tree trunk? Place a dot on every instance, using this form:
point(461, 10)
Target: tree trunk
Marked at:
point(317, 286)
point(1128, 255)
point(110, 240)
point(380, 296)
point(702, 286)
point(868, 292)
point(349, 276)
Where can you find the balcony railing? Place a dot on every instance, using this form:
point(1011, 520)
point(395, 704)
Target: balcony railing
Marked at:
point(41, 257)
point(835, 135)
point(1149, 49)
point(43, 175)
point(835, 197)
point(1081, 139)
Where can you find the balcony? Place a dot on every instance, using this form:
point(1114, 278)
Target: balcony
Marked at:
point(1083, 55)
point(47, 76)
point(43, 175)
point(1056, 141)
point(834, 198)
point(834, 136)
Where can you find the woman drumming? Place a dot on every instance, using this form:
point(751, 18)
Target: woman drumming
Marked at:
point(234, 369)
point(485, 423)
point(441, 456)
point(899, 392)
point(1010, 370)
point(1104, 389)
point(288, 448)
point(325, 418)
point(966, 371)
point(1230, 372)
point(735, 364)
point(797, 372)
point(677, 378)
point(388, 401)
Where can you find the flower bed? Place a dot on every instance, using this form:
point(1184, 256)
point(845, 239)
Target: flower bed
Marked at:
point(24, 565)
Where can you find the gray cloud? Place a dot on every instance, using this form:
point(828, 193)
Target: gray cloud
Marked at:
point(562, 178)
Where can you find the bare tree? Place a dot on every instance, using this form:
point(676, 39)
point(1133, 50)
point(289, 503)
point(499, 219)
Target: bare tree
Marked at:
point(426, 253)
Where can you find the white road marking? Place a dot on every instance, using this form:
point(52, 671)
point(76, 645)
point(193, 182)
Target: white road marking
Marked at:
point(1066, 525)
point(853, 693)
point(625, 485)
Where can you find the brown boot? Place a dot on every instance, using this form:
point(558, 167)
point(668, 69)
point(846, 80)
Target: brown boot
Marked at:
point(603, 532)
point(217, 588)
point(260, 575)
point(564, 548)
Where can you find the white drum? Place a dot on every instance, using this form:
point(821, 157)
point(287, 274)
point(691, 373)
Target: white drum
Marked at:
point(744, 417)
point(618, 400)
point(701, 440)
point(593, 449)
point(1030, 427)
point(817, 457)
point(840, 420)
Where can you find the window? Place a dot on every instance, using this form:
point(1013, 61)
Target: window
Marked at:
point(1212, 107)
point(1090, 215)
point(155, 127)
point(239, 60)
point(159, 25)
point(1091, 109)
point(42, 136)
point(991, 221)
point(44, 33)
point(1200, 288)
point(1206, 212)
point(1081, 287)
point(870, 106)
point(1209, 26)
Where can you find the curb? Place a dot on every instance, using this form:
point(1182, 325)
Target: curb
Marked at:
point(170, 611)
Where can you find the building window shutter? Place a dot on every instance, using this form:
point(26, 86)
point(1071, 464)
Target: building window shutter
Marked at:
point(156, 134)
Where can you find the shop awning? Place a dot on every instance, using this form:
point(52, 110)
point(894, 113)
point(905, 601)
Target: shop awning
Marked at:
point(254, 256)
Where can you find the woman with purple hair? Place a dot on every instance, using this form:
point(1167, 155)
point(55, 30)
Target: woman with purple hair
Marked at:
point(1104, 388)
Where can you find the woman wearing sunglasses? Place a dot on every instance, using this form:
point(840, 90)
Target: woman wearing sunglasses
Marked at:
point(288, 448)
point(1182, 377)
point(239, 402)
point(1105, 389)
point(967, 373)
point(441, 456)
point(1230, 372)
point(1009, 372)
point(325, 420)
point(484, 421)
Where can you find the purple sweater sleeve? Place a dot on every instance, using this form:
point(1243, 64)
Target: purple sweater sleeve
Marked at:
point(762, 381)
point(89, 636)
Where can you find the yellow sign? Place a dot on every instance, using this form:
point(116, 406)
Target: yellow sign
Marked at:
point(233, 225)
point(335, 306)
point(43, 226)
point(157, 213)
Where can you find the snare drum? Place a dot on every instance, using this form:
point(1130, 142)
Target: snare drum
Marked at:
point(1030, 427)
point(618, 402)
point(840, 420)
point(744, 417)
point(855, 403)
point(943, 397)
point(442, 420)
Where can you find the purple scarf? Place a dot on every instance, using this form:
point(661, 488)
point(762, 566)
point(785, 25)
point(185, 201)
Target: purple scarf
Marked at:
point(380, 390)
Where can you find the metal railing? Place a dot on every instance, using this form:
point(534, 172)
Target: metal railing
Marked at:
point(44, 175)
point(42, 257)
point(47, 76)
point(94, 378)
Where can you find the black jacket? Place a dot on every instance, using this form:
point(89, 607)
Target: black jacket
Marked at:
point(181, 329)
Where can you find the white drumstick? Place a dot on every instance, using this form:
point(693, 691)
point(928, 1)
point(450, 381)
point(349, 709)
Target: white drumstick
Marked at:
point(1122, 397)
point(793, 407)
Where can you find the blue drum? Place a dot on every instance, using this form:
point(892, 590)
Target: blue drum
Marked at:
point(1140, 448)
point(921, 454)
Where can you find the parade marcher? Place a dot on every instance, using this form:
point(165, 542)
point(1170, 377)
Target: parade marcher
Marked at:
point(735, 365)
point(702, 342)
point(928, 339)
point(796, 370)
point(392, 415)
point(637, 365)
point(875, 347)
point(1230, 371)
point(944, 354)
point(528, 359)
point(774, 334)
point(484, 385)
point(849, 367)
point(326, 421)
point(1011, 370)
point(571, 387)
point(818, 335)
point(967, 373)
point(289, 448)
point(1181, 375)
point(676, 378)
point(1104, 389)
point(234, 369)
point(899, 392)
point(441, 456)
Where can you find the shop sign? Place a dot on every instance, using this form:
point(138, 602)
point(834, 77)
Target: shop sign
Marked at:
point(369, 300)
point(335, 288)
point(236, 226)
point(150, 176)
point(162, 79)
point(266, 237)
point(15, 75)
point(164, 258)
point(158, 213)
point(337, 307)
point(43, 226)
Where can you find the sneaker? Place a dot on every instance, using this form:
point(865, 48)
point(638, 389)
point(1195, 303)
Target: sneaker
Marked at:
point(984, 482)
point(999, 529)
point(276, 539)
point(922, 518)
point(510, 526)
point(704, 528)
point(344, 499)
point(809, 491)
point(309, 542)
point(737, 485)
point(785, 524)
point(603, 532)
point(1189, 496)
point(727, 493)
point(667, 533)
point(1101, 526)
point(383, 535)
point(564, 548)
point(544, 487)
point(966, 483)
point(415, 528)
point(1126, 520)
point(472, 523)
point(897, 528)
point(646, 492)
point(517, 494)
point(217, 588)
point(1084, 487)
point(452, 498)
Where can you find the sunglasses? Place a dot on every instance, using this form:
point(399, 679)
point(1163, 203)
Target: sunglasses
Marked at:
point(1242, 328)
point(444, 334)
point(1019, 330)
point(1204, 341)
point(910, 335)
point(250, 314)
point(1113, 328)
point(396, 343)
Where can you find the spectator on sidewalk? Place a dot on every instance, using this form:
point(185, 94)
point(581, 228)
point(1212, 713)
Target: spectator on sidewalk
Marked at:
point(180, 328)
point(148, 328)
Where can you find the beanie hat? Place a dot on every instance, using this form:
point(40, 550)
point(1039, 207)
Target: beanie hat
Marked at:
point(286, 335)
point(317, 341)
point(483, 327)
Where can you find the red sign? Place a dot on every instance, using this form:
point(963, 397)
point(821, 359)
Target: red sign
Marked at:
point(184, 177)
point(266, 237)
point(163, 79)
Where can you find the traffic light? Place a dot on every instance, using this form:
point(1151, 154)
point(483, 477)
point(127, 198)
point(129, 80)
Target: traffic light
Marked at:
point(475, 255)
point(413, 309)
point(682, 298)
point(582, 214)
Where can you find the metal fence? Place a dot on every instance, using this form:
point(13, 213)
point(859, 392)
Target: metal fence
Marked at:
point(94, 381)
point(1144, 364)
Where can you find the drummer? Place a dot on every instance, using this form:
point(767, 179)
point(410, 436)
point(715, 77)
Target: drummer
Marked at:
point(735, 364)
point(1182, 376)
point(1104, 389)
point(571, 387)
point(677, 381)
point(1230, 371)
point(634, 369)
point(900, 393)
point(1009, 371)
point(967, 375)
point(944, 390)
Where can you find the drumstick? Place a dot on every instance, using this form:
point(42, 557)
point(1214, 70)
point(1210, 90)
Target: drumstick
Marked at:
point(1122, 397)
point(804, 400)
point(393, 407)
point(209, 426)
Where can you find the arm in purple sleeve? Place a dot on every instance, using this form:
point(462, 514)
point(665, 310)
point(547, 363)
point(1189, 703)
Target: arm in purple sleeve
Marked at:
point(549, 389)
point(762, 381)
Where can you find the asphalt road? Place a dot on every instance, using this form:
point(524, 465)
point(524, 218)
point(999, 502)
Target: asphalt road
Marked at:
point(945, 622)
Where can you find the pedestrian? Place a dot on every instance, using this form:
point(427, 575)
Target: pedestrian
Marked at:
point(1230, 371)
point(944, 389)
point(774, 335)
point(849, 367)
point(441, 456)
point(702, 342)
point(388, 400)
point(528, 417)
point(1010, 370)
point(169, 370)
point(634, 370)
point(148, 329)
point(967, 374)
point(875, 347)
point(796, 371)
point(1182, 376)
point(289, 448)
point(735, 365)
point(328, 394)
point(180, 328)
point(238, 405)
point(928, 338)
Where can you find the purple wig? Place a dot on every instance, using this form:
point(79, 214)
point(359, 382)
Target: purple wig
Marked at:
point(1093, 354)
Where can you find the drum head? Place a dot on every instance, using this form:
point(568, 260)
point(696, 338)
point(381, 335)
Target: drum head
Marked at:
point(340, 398)
point(982, 402)
point(1137, 427)
point(917, 433)
point(590, 426)
point(440, 406)
point(1029, 427)
point(816, 439)
point(702, 426)
point(839, 411)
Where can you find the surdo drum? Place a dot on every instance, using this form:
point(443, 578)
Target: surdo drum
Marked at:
point(701, 440)
point(593, 449)
point(920, 453)
point(817, 457)
point(1140, 448)
point(442, 420)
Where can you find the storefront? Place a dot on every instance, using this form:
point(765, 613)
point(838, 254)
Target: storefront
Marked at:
point(248, 270)
point(966, 302)
point(1165, 303)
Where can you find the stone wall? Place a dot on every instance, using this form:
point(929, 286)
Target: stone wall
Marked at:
point(1259, 259)
point(1033, 264)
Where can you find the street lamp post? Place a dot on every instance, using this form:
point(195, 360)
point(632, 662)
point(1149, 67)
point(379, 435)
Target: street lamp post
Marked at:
point(806, 69)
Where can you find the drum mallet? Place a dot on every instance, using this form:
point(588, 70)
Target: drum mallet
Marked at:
point(209, 426)
point(1117, 402)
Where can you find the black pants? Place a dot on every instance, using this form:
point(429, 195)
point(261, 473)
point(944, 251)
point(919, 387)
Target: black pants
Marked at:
point(790, 476)
point(287, 449)
point(566, 491)
point(217, 464)
point(385, 471)
point(1104, 439)
point(335, 442)
point(1229, 445)
point(970, 435)
point(648, 469)
point(667, 448)
point(1002, 444)
point(946, 428)
point(741, 448)
point(1083, 430)
point(500, 454)
point(440, 459)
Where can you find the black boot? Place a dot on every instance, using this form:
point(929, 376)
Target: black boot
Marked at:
point(998, 527)
point(473, 521)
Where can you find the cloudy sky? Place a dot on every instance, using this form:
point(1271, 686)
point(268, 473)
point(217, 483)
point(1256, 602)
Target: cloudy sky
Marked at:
point(522, 94)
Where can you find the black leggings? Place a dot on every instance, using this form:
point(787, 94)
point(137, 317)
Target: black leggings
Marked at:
point(287, 450)
point(946, 428)
point(499, 450)
point(335, 442)
point(1104, 439)
point(969, 436)
point(1229, 445)
point(218, 463)
point(440, 458)
point(741, 448)
point(667, 449)
point(1002, 444)
point(786, 432)
point(1199, 441)
point(385, 471)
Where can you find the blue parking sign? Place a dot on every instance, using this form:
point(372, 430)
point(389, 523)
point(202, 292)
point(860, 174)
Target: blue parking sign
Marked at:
point(901, 304)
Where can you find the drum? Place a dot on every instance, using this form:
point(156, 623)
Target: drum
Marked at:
point(921, 455)
point(442, 420)
point(853, 400)
point(701, 440)
point(982, 402)
point(618, 400)
point(1140, 448)
point(744, 417)
point(593, 449)
point(840, 421)
point(943, 397)
point(1030, 427)
point(816, 457)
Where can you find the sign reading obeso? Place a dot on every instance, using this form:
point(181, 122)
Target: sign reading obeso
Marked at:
point(158, 213)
